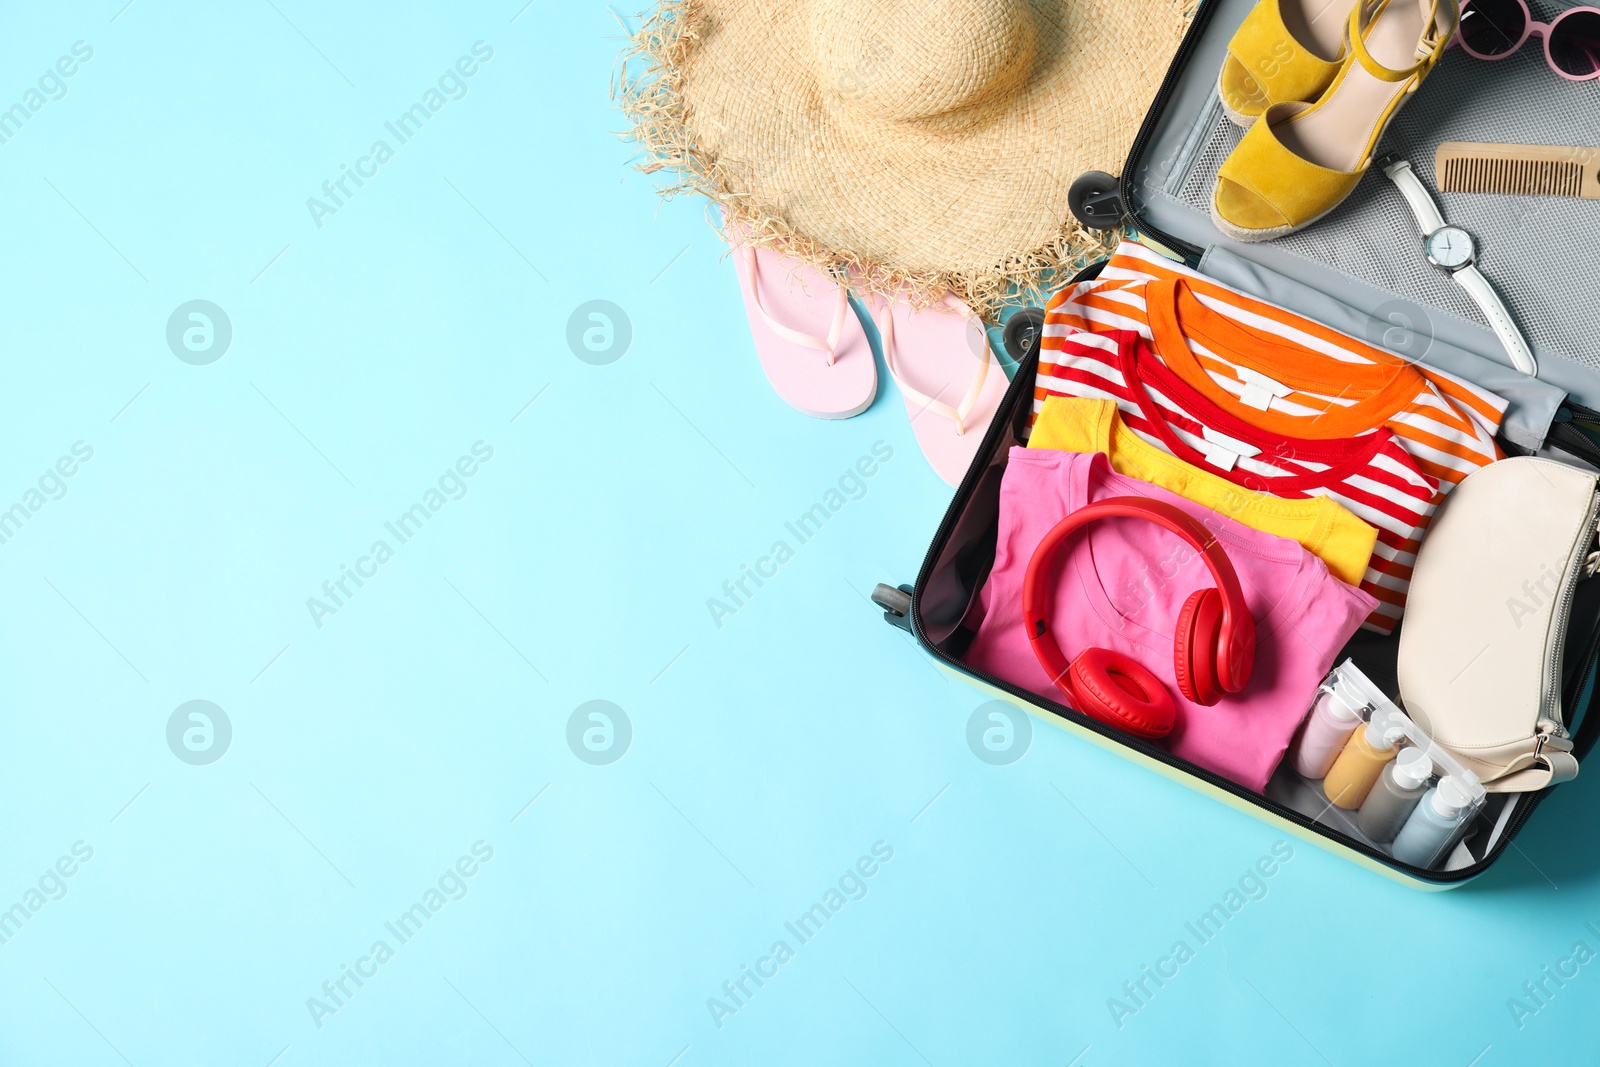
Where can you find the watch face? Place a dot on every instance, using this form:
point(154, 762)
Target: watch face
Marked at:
point(1450, 247)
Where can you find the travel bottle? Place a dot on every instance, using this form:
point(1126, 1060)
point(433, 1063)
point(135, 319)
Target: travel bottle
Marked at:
point(1322, 738)
point(1358, 766)
point(1434, 823)
point(1394, 794)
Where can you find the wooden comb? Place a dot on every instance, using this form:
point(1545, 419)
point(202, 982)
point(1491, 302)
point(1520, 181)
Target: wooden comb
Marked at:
point(1517, 169)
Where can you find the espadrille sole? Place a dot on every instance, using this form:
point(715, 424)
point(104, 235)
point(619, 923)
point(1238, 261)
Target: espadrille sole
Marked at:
point(1238, 118)
point(1239, 233)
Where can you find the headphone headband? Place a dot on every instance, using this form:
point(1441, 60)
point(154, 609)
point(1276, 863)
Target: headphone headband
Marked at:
point(1237, 632)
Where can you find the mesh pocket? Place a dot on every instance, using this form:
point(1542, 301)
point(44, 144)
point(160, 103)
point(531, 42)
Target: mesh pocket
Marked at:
point(1540, 252)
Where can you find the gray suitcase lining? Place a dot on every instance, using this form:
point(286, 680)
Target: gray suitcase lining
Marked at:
point(1540, 252)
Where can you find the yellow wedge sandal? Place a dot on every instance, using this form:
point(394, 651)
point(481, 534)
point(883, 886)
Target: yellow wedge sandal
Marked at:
point(1285, 50)
point(1301, 160)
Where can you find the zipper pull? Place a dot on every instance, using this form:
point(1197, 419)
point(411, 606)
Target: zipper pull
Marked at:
point(1551, 734)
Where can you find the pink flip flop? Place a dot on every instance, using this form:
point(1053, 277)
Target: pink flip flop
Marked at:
point(952, 384)
point(809, 341)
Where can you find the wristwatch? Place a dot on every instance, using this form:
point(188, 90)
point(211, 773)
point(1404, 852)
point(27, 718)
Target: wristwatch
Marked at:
point(1452, 250)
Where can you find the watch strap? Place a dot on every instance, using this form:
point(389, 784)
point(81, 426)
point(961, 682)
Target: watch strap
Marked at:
point(1499, 316)
point(1422, 206)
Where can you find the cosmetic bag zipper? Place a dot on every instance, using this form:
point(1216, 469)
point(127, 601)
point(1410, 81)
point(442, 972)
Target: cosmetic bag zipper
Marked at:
point(1580, 565)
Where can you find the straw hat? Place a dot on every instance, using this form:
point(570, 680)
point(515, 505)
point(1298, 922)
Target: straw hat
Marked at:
point(926, 144)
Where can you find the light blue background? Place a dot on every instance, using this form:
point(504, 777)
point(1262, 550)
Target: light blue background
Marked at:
point(368, 754)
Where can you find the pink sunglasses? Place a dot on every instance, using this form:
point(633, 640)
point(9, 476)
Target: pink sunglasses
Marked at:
point(1494, 29)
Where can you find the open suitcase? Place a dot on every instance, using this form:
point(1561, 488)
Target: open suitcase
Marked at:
point(1360, 264)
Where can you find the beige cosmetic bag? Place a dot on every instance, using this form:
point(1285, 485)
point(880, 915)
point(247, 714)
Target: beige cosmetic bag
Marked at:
point(1486, 619)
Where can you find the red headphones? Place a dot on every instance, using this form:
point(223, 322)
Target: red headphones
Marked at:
point(1213, 650)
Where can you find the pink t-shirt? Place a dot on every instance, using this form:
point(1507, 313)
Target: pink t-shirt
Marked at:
point(1123, 582)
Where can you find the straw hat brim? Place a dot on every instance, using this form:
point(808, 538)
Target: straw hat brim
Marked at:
point(729, 94)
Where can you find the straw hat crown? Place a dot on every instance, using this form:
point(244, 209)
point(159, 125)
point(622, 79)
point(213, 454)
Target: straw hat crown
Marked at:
point(927, 144)
point(890, 61)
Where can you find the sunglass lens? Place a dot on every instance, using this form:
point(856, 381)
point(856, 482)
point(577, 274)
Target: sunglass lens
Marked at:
point(1575, 44)
point(1492, 27)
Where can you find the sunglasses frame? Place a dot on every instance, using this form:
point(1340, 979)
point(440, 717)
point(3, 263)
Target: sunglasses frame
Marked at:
point(1531, 27)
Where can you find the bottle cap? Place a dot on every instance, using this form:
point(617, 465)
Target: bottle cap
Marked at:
point(1340, 710)
point(1412, 767)
point(1450, 797)
point(1383, 736)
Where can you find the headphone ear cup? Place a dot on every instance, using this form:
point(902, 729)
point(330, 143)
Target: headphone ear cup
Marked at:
point(1119, 690)
point(1233, 672)
point(1194, 647)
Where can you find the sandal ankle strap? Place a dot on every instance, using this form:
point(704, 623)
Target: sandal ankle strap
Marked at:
point(1429, 48)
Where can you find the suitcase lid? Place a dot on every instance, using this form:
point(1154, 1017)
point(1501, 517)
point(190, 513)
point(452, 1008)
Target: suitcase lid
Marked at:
point(1368, 254)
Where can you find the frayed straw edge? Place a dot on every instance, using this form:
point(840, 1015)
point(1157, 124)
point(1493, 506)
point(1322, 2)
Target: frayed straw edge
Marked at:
point(647, 87)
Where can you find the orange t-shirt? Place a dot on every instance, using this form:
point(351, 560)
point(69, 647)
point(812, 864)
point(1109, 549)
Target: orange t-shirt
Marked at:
point(1217, 339)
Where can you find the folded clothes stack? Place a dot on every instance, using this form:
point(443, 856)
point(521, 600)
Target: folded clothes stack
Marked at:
point(1216, 494)
point(1271, 401)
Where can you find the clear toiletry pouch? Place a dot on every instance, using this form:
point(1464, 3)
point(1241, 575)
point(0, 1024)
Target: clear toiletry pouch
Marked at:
point(1449, 800)
point(1486, 619)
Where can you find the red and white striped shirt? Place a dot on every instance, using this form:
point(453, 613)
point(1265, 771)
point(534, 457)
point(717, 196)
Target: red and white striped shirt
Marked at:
point(1183, 360)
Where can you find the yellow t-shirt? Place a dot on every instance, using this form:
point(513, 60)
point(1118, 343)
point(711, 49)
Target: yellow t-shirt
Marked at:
point(1327, 529)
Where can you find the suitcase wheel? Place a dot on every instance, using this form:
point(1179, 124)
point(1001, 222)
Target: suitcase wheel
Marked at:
point(1021, 333)
point(896, 604)
point(1093, 200)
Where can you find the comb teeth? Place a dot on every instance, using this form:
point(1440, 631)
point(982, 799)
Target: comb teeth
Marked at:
point(1517, 177)
point(1518, 170)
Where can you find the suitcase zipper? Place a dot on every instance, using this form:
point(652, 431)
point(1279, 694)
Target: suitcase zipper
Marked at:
point(1565, 435)
point(1583, 414)
point(1152, 119)
point(1591, 657)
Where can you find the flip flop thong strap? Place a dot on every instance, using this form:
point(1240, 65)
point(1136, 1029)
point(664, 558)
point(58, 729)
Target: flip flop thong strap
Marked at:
point(829, 345)
point(957, 414)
